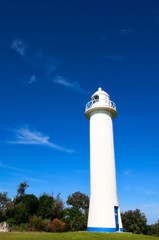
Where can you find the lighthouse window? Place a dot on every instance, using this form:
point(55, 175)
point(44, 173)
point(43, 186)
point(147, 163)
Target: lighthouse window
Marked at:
point(95, 98)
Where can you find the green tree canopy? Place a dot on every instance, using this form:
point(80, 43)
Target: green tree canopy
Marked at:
point(46, 206)
point(153, 229)
point(134, 221)
point(4, 205)
point(58, 207)
point(78, 200)
point(30, 201)
point(21, 189)
point(77, 213)
point(22, 208)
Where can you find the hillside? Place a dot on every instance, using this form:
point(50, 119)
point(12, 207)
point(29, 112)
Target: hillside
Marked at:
point(72, 236)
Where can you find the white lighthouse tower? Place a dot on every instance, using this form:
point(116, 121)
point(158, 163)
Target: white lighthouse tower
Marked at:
point(104, 212)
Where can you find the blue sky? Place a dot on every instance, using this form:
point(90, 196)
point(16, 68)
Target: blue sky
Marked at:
point(54, 55)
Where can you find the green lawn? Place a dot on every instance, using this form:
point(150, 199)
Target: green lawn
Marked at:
point(72, 236)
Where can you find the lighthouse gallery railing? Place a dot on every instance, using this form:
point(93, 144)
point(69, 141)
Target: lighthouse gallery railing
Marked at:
point(109, 104)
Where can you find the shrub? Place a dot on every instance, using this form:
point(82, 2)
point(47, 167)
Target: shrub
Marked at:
point(56, 226)
point(36, 223)
point(23, 227)
point(134, 221)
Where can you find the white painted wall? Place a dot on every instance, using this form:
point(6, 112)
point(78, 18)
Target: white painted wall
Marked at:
point(103, 191)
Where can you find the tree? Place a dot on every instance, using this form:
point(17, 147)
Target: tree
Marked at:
point(134, 221)
point(4, 204)
point(46, 206)
point(22, 208)
point(30, 201)
point(21, 189)
point(75, 219)
point(78, 200)
point(17, 214)
point(58, 207)
point(77, 213)
point(153, 229)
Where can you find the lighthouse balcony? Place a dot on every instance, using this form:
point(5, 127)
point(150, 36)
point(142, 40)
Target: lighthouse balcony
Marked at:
point(93, 103)
point(100, 104)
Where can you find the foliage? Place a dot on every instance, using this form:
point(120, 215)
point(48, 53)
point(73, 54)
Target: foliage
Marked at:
point(46, 206)
point(75, 219)
point(22, 208)
point(153, 229)
point(58, 207)
point(30, 201)
point(134, 221)
point(4, 201)
point(78, 200)
point(27, 209)
point(21, 189)
point(47, 213)
point(156, 228)
point(2, 216)
point(17, 214)
point(4, 204)
point(56, 226)
point(36, 223)
point(76, 216)
point(23, 227)
point(50, 207)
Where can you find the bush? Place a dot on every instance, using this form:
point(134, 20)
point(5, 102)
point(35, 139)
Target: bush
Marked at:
point(56, 226)
point(153, 229)
point(36, 223)
point(75, 219)
point(134, 221)
point(20, 228)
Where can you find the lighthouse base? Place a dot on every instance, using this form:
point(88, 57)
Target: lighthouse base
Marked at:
point(109, 230)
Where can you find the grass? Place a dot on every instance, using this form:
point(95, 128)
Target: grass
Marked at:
point(72, 236)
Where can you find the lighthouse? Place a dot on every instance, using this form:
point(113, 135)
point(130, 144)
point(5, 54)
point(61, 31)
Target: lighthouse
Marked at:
point(104, 212)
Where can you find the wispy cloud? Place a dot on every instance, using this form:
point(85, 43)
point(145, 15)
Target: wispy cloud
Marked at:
point(28, 179)
point(47, 63)
point(25, 136)
point(32, 79)
point(51, 65)
point(116, 58)
point(35, 180)
point(72, 85)
point(11, 167)
point(62, 81)
point(19, 46)
point(26, 171)
point(21, 170)
point(126, 31)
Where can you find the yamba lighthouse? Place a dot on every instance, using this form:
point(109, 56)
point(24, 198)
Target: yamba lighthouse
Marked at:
point(104, 212)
